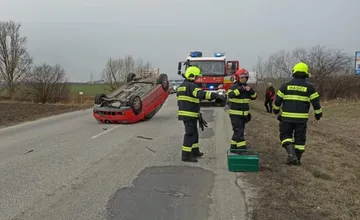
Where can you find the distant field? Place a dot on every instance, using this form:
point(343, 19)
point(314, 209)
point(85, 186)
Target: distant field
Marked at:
point(87, 89)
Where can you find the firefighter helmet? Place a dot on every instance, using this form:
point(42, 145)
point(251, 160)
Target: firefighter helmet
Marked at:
point(301, 68)
point(192, 72)
point(241, 73)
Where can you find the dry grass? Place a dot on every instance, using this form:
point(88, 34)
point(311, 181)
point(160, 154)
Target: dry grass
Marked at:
point(16, 112)
point(327, 185)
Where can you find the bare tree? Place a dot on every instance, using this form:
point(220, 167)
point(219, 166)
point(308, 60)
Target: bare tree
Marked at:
point(116, 71)
point(331, 69)
point(14, 59)
point(47, 83)
point(259, 68)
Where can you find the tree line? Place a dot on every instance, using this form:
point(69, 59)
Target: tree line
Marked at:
point(47, 83)
point(331, 70)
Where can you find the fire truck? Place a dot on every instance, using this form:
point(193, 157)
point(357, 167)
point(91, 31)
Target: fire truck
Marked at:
point(217, 72)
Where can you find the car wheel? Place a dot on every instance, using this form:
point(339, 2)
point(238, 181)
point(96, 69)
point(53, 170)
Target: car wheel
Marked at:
point(153, 113)
point(149, 116)
point(163, 80)
point(99, 98)
point(136, 104)
point(130, 77)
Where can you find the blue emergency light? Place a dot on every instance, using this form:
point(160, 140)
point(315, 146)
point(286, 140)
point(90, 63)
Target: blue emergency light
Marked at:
point(211, 87)
point(196, 54)
point(218, 54)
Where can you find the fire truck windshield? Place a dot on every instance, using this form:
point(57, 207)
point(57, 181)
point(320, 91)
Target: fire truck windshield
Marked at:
point(210, 67)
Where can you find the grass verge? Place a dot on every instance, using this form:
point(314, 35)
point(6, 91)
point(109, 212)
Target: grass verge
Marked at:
point(326, 186)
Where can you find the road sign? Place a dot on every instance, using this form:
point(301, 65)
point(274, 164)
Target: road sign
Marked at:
point(81, 93)
point(357, 63)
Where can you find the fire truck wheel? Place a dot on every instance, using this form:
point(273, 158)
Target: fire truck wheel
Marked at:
point(163, 80)
point(223, 103)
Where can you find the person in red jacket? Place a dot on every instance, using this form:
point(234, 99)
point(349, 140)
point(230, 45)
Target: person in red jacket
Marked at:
point(269, 98)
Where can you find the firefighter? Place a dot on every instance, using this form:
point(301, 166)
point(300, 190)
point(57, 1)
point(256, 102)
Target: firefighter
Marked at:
point(239, 96)
point(269, 97)
point(294, 98)
point(189, 96)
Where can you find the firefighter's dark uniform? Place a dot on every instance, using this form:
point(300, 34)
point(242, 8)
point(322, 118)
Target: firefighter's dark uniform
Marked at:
point(239, 100)
point(189, 96)
point(269, 98)
point(294, 98)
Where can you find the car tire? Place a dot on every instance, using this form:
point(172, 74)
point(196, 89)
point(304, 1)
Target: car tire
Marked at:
point(163, 81)
point(130, 77)
point(149, 116)
point(135, 104)
point(98, 98)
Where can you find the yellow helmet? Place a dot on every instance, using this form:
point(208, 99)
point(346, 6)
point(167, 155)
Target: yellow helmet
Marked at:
point(191, 72)
point(301, 68)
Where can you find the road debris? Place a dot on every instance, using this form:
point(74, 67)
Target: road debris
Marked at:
point(147, 138)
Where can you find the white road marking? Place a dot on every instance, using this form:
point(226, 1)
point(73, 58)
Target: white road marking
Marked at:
point(104, 132)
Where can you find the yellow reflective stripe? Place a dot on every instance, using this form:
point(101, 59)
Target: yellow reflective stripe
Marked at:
point(280, 94)
point(186, 149)
point(196, 90)
point(296, 98)
point(241, 144)
point(238, 112)
point(237, 92)
point(187, 98)
point(181, 89)
point(314, 95)
point(294, 115)
point(318, 111)
point(195, 145)
point(239, 100)
point(233, 142)
point(299, 147)
point(297, 88)
point(208, 95)
point(276, 107)
point(291, 140)
point(253, 95)
point(189, 114)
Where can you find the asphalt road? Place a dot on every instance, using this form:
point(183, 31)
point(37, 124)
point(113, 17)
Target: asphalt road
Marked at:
point(70, 167)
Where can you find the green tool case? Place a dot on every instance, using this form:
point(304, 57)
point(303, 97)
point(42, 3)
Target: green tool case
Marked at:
point(243, 160)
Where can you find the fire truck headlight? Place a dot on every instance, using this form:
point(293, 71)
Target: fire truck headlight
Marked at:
point(220, 86)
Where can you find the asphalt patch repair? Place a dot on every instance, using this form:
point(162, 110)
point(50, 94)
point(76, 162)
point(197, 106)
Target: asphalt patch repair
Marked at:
point(169, 192)
point(326, 186)
point(16, 112)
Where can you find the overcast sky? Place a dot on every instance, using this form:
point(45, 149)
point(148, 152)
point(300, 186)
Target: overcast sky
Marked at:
point(82, 35)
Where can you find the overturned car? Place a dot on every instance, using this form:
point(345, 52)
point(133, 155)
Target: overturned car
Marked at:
point(137, 100)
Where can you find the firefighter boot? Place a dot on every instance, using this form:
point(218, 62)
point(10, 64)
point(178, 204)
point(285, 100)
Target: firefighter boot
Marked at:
point(188, 157)
point(196, 152)
point(298, 155)
point(292, 158)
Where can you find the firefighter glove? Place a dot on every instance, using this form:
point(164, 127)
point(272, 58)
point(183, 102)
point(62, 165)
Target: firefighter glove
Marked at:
point(241, 88)
point(276, 111)
point(248, 118)
point(318, 116)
